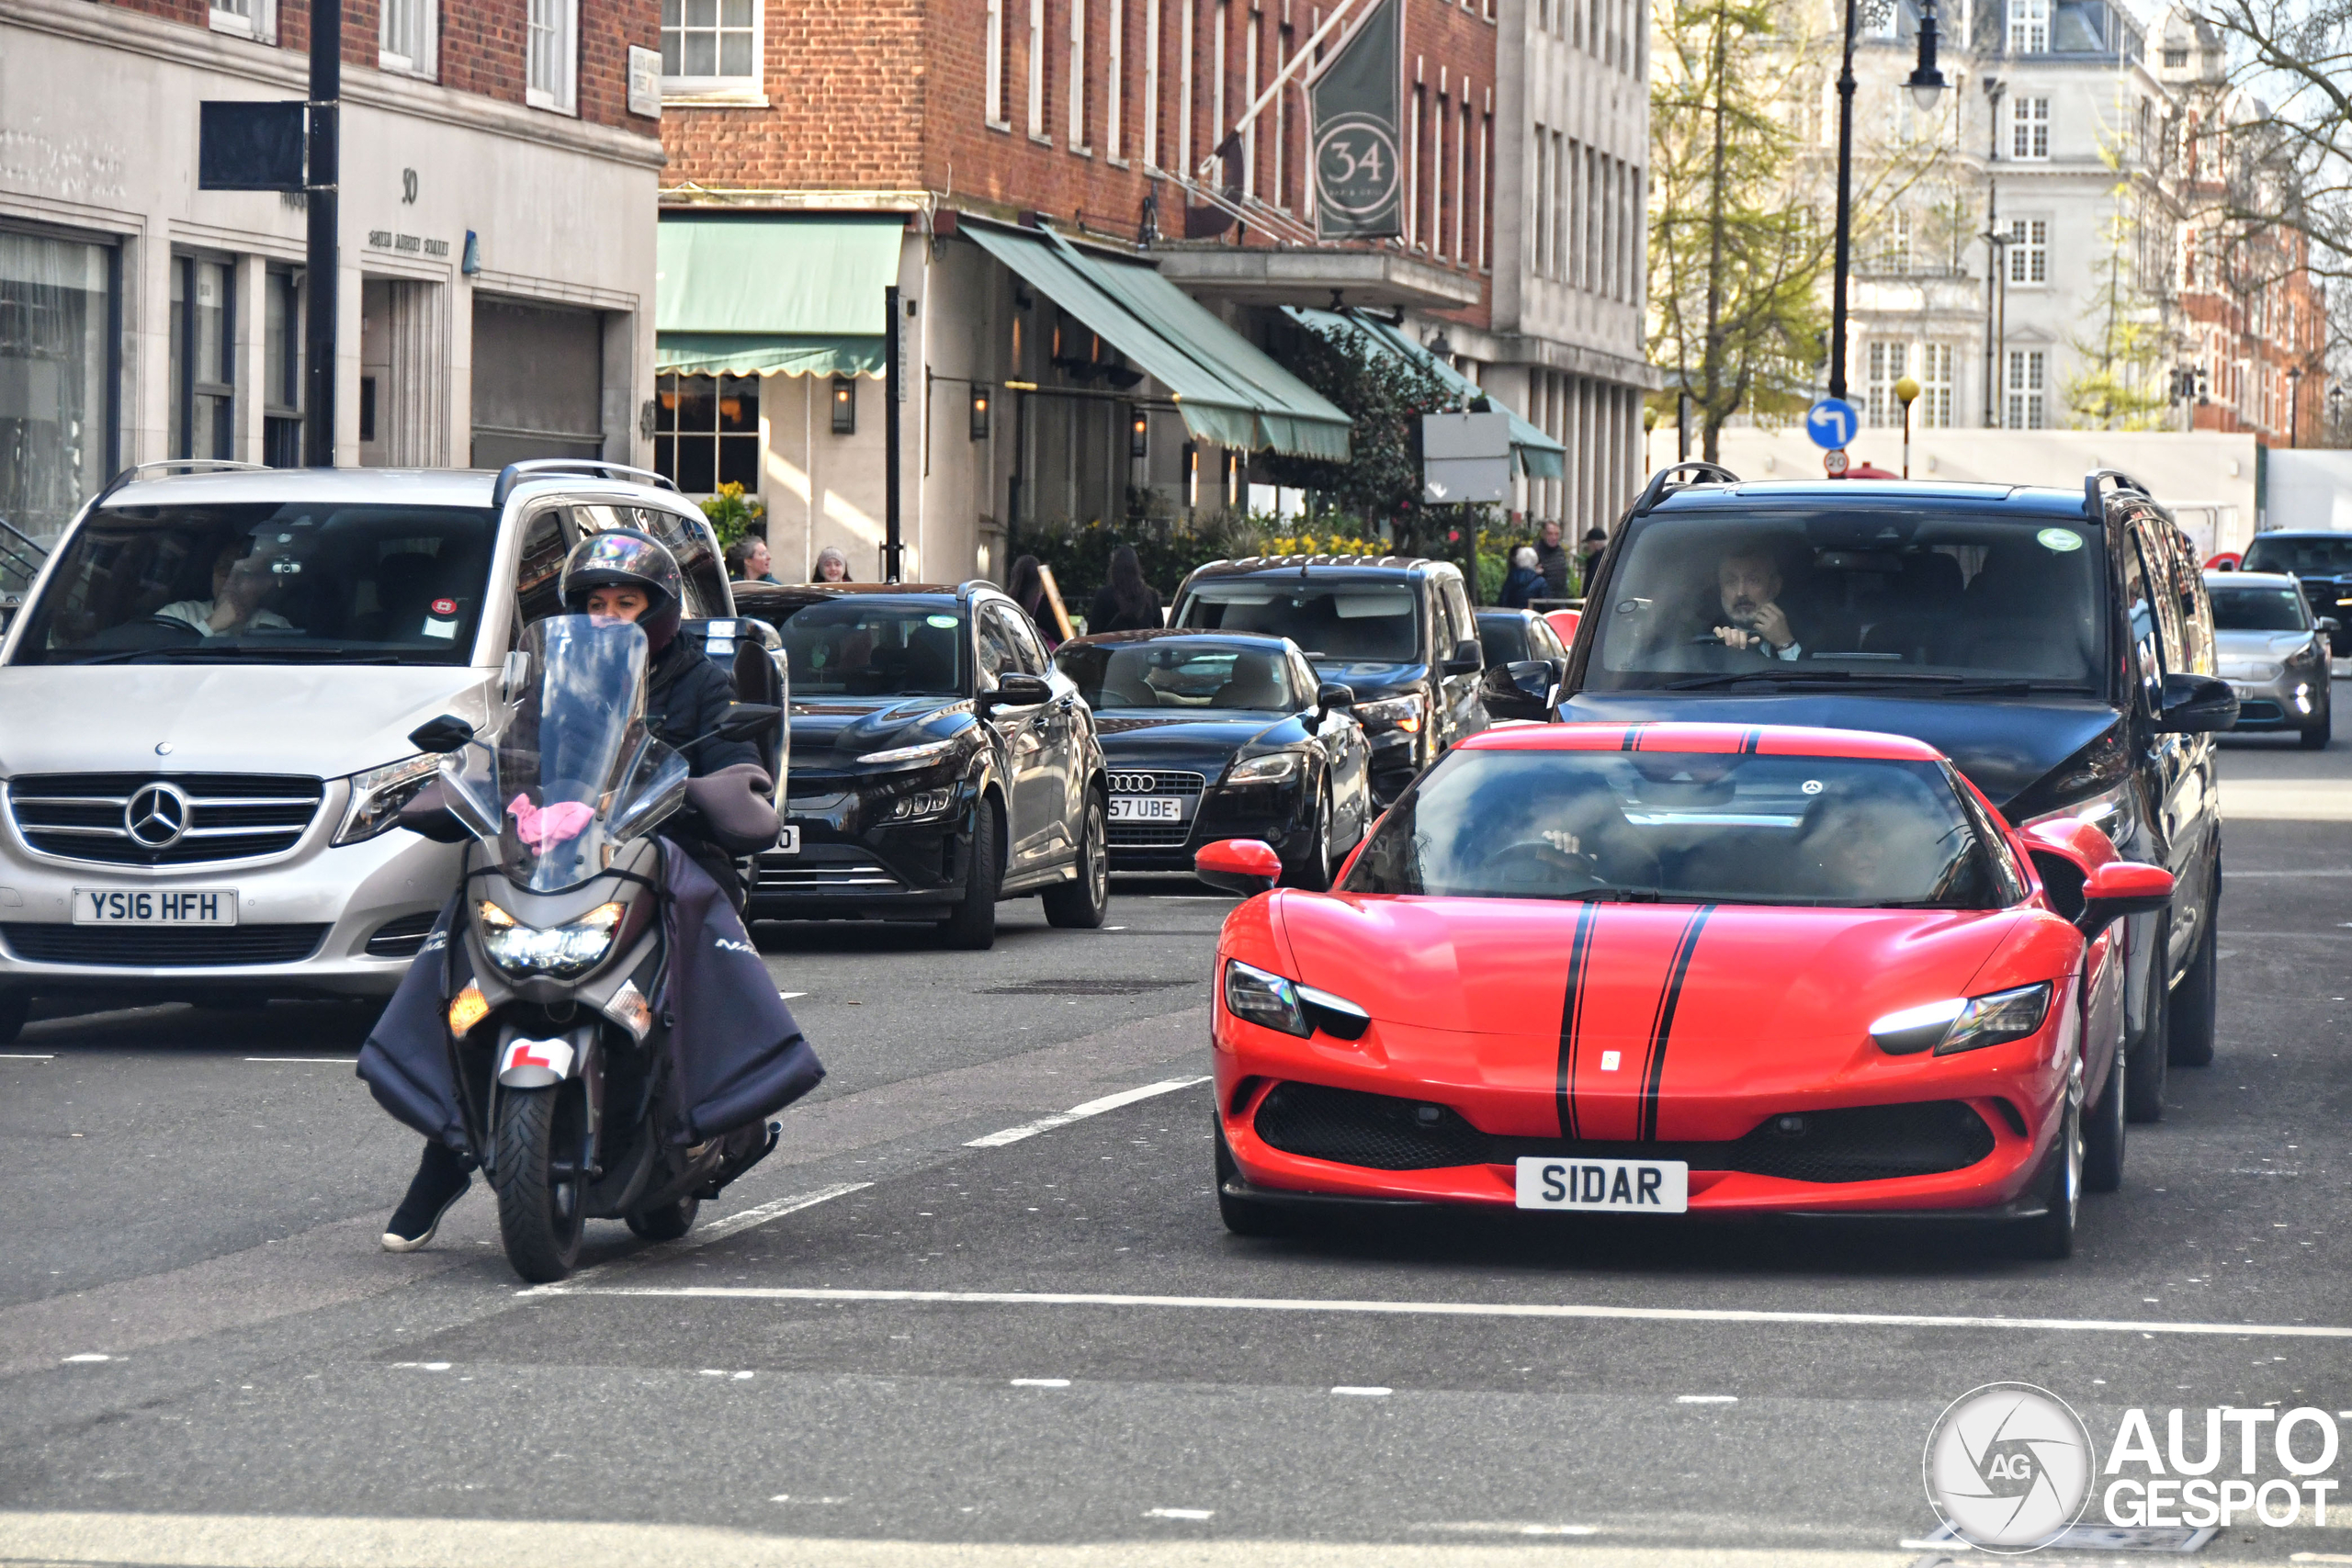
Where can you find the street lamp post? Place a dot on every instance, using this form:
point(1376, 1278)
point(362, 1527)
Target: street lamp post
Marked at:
point(1925, 83)
point(2294, 401)
point(1908, 390)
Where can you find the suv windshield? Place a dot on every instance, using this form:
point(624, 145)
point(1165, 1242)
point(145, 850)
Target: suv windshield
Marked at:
point(2327, 555)
point(1186, 674)
point(2257, 610)
point(293, 583)
point(1852, 595)
point(874, 647)
point(1684, 827)
point(1328, 620)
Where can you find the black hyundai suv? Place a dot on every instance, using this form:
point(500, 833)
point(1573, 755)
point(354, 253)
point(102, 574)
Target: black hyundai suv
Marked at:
point(1396, 630)
point(2057, 645)
point(940, 763)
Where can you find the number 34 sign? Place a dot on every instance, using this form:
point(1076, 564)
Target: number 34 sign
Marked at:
point(1355, 96)
point(1355, 169)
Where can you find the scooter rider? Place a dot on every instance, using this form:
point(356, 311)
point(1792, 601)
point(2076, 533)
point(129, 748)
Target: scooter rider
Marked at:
point(627, 575)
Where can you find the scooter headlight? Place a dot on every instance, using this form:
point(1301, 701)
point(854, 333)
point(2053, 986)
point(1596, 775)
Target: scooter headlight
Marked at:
point(560, 952)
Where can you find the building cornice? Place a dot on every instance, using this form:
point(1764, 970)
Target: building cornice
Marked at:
point(127, 31)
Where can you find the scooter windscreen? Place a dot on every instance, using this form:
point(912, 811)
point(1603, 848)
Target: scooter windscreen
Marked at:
point(576, 773)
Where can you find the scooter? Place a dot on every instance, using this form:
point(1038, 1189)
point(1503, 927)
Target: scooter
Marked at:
point(565, 963)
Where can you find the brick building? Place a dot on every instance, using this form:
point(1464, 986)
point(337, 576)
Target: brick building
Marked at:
point(497, 247)
point(1093, 325)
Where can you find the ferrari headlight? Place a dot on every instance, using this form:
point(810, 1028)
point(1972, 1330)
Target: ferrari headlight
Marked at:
point(1261, 998)
point(1273, 769)
point(378, 794)
point(562, 952)
point(1963, 1023)
point(1401, 713)
point(900, 756)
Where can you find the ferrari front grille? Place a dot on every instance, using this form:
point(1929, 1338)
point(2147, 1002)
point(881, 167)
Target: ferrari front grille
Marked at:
point(1872, 1143)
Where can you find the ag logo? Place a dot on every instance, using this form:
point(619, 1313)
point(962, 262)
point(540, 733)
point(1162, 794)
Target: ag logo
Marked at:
point(1355, 163)
point(2008, 1466)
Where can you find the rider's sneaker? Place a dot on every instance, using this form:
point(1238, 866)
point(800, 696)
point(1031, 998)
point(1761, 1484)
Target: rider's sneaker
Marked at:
point(438, 1184)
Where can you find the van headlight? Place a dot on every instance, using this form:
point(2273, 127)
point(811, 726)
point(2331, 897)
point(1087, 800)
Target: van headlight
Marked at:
point(560, 952)
point(1963, 1023)
point(378, 794)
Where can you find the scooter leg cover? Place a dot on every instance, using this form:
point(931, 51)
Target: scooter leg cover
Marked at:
point(405, 1062)
point(736, 1053)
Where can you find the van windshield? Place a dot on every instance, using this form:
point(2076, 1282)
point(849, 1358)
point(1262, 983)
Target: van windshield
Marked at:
point(297, 583)
point(1852, 596)
point(1327, 619)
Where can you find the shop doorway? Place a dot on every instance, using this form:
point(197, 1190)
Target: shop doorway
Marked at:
point(539, 382)
point(403, 378)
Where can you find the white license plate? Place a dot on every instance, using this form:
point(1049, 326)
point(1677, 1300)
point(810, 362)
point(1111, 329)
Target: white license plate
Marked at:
point(1621, 1186)
point(788, 842)
point(1146, 809)
point(152, 907)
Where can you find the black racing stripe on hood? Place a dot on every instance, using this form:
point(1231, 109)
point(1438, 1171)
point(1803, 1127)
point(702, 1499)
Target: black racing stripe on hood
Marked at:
point(1572, 1017)
point(1750, 741)
point(1662, 1028)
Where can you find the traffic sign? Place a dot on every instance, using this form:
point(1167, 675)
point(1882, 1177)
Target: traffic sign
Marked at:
point(1832, 423)
point(1836, 462)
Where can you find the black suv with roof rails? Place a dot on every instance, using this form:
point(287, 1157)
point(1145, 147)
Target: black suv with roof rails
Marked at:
point(2319, 559)
point(2057, 645)
point(1397, 631)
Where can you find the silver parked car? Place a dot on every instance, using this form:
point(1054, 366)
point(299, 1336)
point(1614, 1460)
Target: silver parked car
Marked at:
point(208, 698)
point(2272, 652)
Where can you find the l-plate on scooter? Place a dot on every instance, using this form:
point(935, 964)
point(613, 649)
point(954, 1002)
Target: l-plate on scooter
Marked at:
point(589, 1019)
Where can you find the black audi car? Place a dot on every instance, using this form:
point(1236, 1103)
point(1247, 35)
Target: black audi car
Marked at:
point(940, 763)
point(1396, 630)
point(1207, 736)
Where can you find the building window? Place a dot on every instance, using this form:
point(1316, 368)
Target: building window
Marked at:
point(1038, 71)
point(1882, 18)
point(1935, 386)
point(2028, 27)
point(2027, 404)
point(707, 430)
point(1888, 363)
point(994, 112)
point(281, 370)
point(709, 43)
point(57, 313)
point(553, 55)
point(247, 19)
point(1894, 243)
point(2029, 129)
point(1078, 142)
point(1115, 97)
point(404, 37)
point(203, 359)
point(2029, 252)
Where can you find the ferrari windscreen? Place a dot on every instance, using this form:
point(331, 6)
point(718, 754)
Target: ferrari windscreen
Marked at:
point(1683, 827)
point(1896, 598)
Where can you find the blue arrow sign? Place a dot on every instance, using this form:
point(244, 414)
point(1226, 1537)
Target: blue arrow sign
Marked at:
point(1832, 423)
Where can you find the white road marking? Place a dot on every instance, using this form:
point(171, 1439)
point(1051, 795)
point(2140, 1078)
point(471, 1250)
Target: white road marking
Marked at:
point(87, 1356)
point(1180, 1513)
point(788, 996)
point(1464, 1309)
point(717, 1230)
point(1504, 1527)
point(331, 1061)
point(24, 1056)
point(1041, 1383)
point(1369, 1391)
point(1706, 1399)
point(1080, 1112)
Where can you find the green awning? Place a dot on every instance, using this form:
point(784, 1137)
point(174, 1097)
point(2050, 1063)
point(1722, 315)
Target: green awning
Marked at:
point(773, 296)
point(1539, 457)
point(1227, 388)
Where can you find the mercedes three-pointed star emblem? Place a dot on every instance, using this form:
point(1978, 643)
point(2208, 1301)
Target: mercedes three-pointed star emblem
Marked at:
point(156, 816)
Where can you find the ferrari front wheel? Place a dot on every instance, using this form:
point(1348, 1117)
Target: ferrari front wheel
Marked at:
point(1242, 1216)
point(2104, 1130)
point(2050, 1235)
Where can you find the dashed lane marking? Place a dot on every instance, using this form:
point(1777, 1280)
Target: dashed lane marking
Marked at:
point(1080, 1112)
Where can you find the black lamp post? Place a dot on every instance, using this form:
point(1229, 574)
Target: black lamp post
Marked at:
point(1927, 82)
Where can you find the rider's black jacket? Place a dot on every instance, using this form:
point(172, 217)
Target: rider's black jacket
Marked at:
point(686, 694)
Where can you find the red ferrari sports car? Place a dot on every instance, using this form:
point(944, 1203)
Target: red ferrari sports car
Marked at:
point(1680, 968)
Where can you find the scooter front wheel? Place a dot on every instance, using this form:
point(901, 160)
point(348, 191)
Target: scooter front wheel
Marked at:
point(541, 1137)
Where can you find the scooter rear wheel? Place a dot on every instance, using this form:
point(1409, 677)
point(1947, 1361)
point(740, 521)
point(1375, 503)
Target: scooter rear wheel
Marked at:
point(541, 1136)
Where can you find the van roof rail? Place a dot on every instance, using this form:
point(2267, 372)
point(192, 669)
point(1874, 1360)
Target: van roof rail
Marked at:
point(1662, 482)
point(138, 471)
point(514, 474)
point(2093, 480)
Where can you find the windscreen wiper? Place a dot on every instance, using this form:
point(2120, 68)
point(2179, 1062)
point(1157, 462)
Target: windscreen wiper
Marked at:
point(1616, 894)
point(1799, 677)
point(231, 655)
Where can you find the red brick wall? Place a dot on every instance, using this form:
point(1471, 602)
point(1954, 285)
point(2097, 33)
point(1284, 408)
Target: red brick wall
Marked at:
point(847, 88)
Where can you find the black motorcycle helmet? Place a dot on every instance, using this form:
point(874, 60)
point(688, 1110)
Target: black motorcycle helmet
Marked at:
point(626, 558)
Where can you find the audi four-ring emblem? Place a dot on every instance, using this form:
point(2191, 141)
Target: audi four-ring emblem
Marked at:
point(156, 816)
point(1134, 783)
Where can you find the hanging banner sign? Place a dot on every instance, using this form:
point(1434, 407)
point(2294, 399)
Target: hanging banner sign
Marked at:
point(1356, 106)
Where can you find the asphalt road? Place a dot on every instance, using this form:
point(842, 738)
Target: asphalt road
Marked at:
point(868, 1353)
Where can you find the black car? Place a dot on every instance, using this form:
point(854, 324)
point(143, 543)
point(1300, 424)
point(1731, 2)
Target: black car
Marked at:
point(1396, 630)
point(2320, 559)
point(939, 762)
point(2057, 645)
point(1208, 736)
point(1525, 661)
